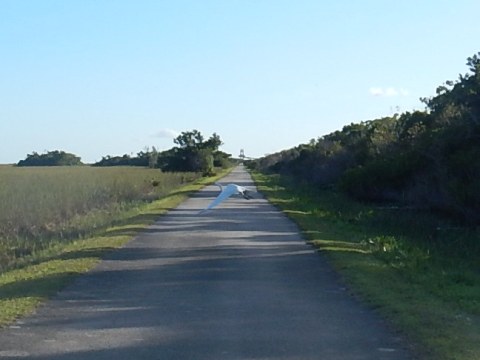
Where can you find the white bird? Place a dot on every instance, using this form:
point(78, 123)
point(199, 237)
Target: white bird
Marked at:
point(226, 192)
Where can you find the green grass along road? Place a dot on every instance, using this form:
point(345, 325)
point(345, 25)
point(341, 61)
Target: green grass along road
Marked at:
point(434, 300)
point(39, 276)
point(439, 310)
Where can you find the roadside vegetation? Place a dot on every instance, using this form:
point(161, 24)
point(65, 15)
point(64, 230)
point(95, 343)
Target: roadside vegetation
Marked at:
point(58, 216)
point(409, 264)
point(192, 153)
point(424, 159)
point(41, 206)
point(395, 204)
point(59, 222)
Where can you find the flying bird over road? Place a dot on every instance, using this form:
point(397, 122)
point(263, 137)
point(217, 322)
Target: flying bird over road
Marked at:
point(226, 192)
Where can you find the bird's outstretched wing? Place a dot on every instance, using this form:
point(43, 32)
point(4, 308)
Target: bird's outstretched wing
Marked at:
point(227, 191)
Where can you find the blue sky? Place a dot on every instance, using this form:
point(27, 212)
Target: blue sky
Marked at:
point(111, 77)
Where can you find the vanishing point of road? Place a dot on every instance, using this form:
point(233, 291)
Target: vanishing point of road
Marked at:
point(237, 282)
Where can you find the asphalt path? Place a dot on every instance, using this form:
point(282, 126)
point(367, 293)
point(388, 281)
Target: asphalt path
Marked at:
point(236, 282)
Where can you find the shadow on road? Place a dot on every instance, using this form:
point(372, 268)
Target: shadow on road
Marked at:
point(237, 282)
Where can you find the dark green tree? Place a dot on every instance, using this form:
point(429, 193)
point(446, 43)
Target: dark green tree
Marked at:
point(189, 140)
point(424, 158)
point(195, 154)
point(51, 158)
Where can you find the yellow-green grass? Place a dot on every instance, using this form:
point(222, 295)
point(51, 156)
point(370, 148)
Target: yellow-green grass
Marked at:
point(37, 277)
point(22, 289)
point(434, 301)
point(40, 206)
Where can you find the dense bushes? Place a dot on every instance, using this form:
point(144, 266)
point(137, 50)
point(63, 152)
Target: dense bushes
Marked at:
point(425, 158)
point(193, 154)
point(51, 158)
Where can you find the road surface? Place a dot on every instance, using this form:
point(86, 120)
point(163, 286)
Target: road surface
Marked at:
point(237, 282)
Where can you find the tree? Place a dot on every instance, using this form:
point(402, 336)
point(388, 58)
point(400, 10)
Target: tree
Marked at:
point(195, 154)
point(51, 158)
point(205, 159)
point(213, 143)
point(153, 158)
point(424, 158)
point(189, 140)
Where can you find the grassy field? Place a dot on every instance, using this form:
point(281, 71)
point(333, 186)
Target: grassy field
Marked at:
point(48, 262)
point(45, 205)
point(419, 271)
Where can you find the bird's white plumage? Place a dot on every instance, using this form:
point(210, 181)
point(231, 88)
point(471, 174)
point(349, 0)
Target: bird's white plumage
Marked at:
point(226, 192)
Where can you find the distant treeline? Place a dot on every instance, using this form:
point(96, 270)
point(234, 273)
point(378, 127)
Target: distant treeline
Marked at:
point(428, 159)
point(51, 158)
point(192, 153)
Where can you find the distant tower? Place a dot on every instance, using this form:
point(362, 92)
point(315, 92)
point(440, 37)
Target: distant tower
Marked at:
point(242, 154)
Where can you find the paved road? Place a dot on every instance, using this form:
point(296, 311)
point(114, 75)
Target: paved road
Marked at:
point(234, 283)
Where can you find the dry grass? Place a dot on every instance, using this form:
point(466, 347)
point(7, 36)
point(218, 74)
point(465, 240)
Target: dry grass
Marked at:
point(36, 277)
point(44, 205)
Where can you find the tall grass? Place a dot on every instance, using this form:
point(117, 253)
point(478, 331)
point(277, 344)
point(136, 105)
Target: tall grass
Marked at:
point(43, 205)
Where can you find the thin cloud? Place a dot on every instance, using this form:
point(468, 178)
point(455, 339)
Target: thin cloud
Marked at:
point(166, 134)
point(376, 91)
point(388, 92)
